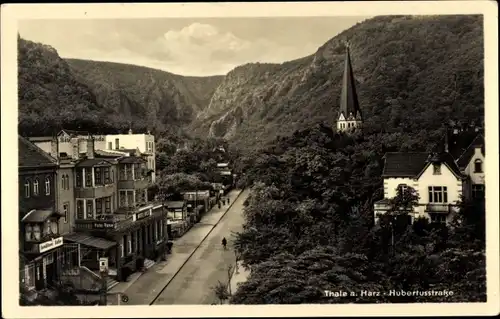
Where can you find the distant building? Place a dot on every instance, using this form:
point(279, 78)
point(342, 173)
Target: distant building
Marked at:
point(145, 143)
point(440, 179)
point(350, 118)
point(72, 142)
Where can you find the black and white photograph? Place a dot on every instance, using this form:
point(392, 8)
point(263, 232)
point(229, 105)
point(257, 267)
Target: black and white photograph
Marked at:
point(220, 156)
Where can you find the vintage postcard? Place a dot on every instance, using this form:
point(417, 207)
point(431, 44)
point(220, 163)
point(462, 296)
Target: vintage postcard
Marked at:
point(250, 159)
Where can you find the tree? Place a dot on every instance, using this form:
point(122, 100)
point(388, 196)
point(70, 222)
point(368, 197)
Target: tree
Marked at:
point(221, 291)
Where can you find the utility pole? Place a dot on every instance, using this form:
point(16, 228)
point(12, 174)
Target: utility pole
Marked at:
point(103, 268)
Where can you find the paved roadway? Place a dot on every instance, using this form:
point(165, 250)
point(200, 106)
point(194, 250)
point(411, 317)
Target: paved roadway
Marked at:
point(208, 265)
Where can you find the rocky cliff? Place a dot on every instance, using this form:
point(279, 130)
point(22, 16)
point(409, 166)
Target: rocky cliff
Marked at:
point(411, 71)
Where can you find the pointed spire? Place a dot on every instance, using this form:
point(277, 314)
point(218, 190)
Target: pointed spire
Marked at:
point(349, 105)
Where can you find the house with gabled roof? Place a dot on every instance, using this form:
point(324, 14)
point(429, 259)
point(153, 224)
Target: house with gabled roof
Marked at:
point(436, 178)
point(441, 179)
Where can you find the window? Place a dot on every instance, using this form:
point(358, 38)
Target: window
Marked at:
point(88, 177)
point(438, 218)
point(37, 233)
point(47, 186)
point(79, 175)
point(478, 166)
point(90, 209)
point(27, 189)
point(138, 197)
point(98, 206)
point(122, 249)
point(123, 172)
point(437, 169)
point(117, 143)
point(130, 198)
point(438, 194)
point(98, 176)
point(129, 244)
point(28, 232)
point(403, 188)
point(107, 205)
point(29, 276)
point(477, 191)
point(107, 179)
point(35, 187)
point(66, 212)
point(49, 259)
point(123, 198)
point(110, 145)
point(80, 209)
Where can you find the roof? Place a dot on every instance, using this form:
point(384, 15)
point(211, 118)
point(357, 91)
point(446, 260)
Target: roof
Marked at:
point(465, 158)
point(131, 160)
point(93, 162)
point(73, 132)
point(40, 138)
point(175, 204)
point(348, 97)
point(38, 216)
point(90, 241)
point(458, 143)
point(32, 156)
point(399, 164)
point(404, 164)
point(107, 153)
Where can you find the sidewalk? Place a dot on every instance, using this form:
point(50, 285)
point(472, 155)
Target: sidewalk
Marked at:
point(147, 286)
point(238, 277)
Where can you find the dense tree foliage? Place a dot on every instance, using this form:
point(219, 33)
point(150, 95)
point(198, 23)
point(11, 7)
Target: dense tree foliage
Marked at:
point(309, 227)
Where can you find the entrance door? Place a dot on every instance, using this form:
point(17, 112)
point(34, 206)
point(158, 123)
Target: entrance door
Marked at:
point(39, 282)
point(50, 269)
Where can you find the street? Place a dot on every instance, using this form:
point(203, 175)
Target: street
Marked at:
point(193, 284)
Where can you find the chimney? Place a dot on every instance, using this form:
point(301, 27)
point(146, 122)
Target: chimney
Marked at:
point(90, 147)
point(75, 144)
point(54, 148)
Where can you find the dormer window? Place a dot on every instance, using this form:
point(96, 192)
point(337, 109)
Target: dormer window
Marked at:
point(478, 166)
point(436, 169)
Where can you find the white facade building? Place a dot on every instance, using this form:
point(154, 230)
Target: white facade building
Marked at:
point(439, 180)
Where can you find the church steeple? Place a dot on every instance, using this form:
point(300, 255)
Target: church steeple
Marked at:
point(350, 114)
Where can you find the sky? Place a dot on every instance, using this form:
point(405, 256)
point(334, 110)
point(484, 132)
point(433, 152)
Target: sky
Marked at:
point(192, 47)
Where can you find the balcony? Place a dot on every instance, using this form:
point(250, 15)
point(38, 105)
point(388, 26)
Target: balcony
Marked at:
point(134, 184)
point(438, 208)
point(103, 223)
point(97, 191)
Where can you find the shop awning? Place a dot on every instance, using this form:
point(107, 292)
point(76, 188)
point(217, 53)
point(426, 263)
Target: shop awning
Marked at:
point(90, 241)
point(39, 216)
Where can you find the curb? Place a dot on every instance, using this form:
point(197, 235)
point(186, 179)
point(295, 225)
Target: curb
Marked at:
point(201, 242)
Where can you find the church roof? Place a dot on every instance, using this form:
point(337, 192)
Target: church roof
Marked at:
point(348, 97)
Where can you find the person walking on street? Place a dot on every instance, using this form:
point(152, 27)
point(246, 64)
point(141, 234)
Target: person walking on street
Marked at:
point(224, 242)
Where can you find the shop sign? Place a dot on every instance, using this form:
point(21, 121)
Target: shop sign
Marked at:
point(142, 214)
point(103, 225)
point(48, 245)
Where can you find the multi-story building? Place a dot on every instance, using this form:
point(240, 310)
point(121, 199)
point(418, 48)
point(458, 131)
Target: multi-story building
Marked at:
point(39, 235)
point(441, 180)
point(114, 143)
point(144, 142)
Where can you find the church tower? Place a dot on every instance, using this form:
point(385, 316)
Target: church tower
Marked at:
point(350, 118)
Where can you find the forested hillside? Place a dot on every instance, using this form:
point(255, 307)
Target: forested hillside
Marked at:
point(412, 73)
point(101, 96)
point(146, 96)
